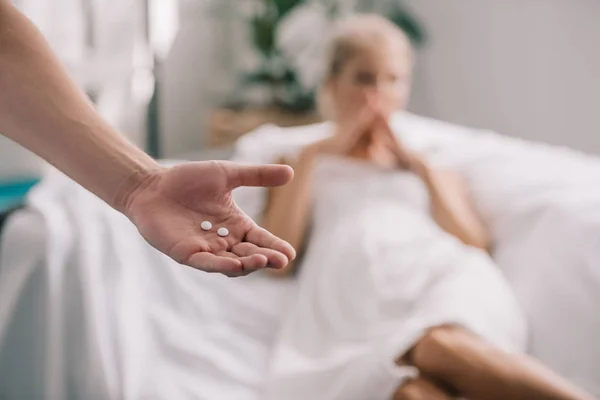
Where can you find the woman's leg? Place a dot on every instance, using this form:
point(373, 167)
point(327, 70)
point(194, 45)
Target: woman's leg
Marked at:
point(421, 389)
point(480, 371)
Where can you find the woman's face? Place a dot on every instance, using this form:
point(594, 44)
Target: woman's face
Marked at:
point(382, 71)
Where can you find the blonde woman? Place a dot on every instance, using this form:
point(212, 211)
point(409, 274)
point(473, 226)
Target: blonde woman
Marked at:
point(398, 296)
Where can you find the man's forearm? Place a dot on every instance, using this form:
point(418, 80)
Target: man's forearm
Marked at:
point(43, 109)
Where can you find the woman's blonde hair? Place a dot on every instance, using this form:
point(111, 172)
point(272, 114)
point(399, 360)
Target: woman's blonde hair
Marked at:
point(351, 36)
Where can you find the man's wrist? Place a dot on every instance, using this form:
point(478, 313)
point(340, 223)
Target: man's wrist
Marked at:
point(139, 179)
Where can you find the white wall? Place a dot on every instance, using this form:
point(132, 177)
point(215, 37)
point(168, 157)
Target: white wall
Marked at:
point(184, 78)
point(528, 68)
point(199, 72)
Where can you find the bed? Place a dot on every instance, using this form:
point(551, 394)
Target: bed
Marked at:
point(3, 217)
point(81, 316)
point(12, 197)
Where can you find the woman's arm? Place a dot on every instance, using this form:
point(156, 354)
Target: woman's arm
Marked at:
point(451, 205)
point(288, 207)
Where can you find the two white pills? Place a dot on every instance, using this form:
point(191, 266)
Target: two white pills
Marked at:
point(207, 226)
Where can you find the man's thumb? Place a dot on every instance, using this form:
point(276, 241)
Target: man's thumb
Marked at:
point(259, 175)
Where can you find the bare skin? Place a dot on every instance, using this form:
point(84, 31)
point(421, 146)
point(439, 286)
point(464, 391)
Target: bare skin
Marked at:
point(43, 109)
point(422, 389)
point(452, 362)
point(476, 370)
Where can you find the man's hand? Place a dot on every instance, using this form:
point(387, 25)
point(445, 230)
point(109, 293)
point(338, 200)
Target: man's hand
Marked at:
point(170, 205)
point(45, 111)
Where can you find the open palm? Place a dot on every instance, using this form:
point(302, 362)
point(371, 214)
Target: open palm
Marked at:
point(170, 207)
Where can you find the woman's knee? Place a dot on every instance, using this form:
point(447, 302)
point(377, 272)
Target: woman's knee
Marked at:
point(420, 389)
point(442, 349)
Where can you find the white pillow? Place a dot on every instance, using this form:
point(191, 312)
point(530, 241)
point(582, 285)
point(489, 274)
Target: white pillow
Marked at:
point(542, 206)
point(268, 144)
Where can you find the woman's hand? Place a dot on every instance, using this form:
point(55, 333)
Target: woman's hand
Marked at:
point(382, 132)
point(169, 207)
point(451, 206)
point(349, 137)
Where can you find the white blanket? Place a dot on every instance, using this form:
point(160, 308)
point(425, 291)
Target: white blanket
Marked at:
point(88, 310)
point(378, 274)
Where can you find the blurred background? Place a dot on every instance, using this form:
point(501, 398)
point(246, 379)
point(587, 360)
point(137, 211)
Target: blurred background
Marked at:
point(184, 78)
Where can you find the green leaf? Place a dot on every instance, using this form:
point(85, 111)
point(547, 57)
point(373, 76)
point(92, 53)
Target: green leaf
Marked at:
point(300, 103)
point(289, 77)
point(263, 34)
point(258, 78)
point(285, 6)
point(409, 24)
point(264, 26)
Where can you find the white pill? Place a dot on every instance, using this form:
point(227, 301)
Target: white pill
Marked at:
point(223, 232)
point(206, 225)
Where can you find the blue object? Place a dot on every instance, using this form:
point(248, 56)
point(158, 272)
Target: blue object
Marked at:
point(12, 194)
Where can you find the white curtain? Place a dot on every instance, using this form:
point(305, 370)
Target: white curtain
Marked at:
point(108, 49)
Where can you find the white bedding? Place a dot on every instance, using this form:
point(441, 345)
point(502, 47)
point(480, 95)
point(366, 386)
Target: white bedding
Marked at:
point(90, 311)
point(378, 273)
point(119, 320)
